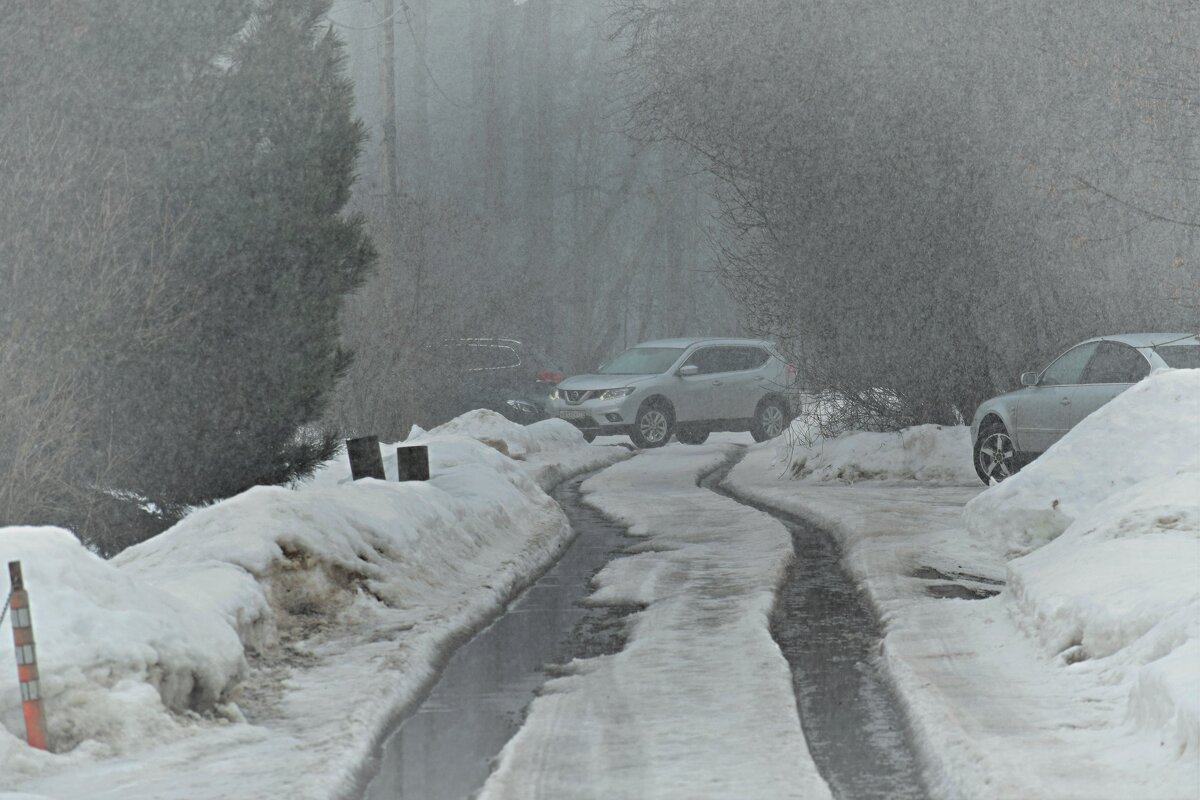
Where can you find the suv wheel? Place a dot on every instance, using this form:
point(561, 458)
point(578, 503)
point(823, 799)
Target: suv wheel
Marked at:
point(691, 434)
point(653, 425)
point(995, 454)
point(770, 420)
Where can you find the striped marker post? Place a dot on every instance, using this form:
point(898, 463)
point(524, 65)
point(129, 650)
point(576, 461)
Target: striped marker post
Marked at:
point(27, 671)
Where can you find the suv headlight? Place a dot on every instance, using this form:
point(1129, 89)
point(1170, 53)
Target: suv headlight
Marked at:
point(613, 394)
point(554, 395)
point(522, 406)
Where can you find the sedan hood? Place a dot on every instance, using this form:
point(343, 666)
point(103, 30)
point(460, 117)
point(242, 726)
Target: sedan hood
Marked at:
point(593, 382)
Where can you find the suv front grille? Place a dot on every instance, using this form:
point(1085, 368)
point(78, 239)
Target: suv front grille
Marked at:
point(576, 395)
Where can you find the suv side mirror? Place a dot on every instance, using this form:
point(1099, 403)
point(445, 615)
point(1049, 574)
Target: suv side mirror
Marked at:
point(688, 370)
point(1029, 379)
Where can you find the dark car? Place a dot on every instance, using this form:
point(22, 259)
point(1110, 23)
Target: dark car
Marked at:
point(505, 375)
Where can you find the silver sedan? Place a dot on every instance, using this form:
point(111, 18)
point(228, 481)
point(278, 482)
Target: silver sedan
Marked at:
point(1012, 429)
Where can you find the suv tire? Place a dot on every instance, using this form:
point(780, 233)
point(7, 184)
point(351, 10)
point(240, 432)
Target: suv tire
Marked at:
point(770, 420)
point(653, 425)
point(691, 434)
point(994, 454)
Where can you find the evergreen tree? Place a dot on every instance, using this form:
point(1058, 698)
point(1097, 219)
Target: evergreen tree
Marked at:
point(173, 250)
point(262, 177)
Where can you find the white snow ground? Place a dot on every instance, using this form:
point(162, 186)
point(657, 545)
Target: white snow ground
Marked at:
point(699, 703)
point(261, 646)
point(1081, 679)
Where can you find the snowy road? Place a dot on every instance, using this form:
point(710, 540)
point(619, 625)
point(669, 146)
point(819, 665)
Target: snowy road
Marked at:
point(851, 717)
point(668, 684)
point(699, 703)
point(444, 750)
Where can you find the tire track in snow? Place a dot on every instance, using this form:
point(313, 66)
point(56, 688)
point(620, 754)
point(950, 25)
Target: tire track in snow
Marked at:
point(856, 730)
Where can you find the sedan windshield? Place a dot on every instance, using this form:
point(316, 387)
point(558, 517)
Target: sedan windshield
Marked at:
point(642, 361)
point(1180, 356)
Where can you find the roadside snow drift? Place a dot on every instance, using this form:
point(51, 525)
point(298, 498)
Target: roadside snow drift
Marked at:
point(1147, 434)
point(932, 453)
point(315, 613)
point(1115, 583)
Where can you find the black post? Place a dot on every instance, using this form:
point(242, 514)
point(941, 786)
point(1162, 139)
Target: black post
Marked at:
point(365, 459)
point(413, 462)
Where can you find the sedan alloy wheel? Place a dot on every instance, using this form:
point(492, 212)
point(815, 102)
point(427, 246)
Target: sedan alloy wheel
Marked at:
point(995, 455)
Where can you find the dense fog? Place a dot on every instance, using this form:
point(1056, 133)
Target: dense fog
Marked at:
point(233, 232)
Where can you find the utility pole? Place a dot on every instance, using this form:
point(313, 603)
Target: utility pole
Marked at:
point(389, 118)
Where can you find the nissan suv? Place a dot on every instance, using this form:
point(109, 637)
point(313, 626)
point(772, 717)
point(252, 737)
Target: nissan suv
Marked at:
point(685, 387)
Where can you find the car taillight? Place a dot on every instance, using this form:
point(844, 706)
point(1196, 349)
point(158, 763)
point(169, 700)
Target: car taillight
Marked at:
point(548, 376)
point(791, 370)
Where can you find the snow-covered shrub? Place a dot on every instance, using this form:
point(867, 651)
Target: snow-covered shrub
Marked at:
point(932, 453)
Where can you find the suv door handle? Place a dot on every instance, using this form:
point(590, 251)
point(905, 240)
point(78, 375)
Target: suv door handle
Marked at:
point(760, 378)
point(1066, 401)
point(716, 383)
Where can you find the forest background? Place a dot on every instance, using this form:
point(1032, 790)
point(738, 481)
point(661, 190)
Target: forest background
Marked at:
point(229, 228)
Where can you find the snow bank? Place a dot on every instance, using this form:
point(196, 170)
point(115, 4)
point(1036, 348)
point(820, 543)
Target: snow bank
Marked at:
point(1109, 521)
point(316, 612)
point(1121, 585)
point(113, 648)
point(930, 453)
point(1148, 433)
point(510, 438)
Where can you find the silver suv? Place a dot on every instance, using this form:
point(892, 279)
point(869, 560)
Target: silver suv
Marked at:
point(686, 387)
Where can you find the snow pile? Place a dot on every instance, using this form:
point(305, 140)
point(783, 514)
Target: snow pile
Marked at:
point(1148, 433)
point(316, 612)
point(1117, 587)
point(510, 438)
point(113, 648)
point(931, 453)
point(1121, 586)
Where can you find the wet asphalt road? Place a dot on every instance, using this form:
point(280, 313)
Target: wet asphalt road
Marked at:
point(444, 750)
point(854, 726)
point(856, 731)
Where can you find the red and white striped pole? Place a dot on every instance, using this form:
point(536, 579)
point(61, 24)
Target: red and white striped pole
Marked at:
point(27, 671)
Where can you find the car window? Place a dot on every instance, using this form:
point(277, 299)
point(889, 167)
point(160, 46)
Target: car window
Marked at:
point(751, 357)
point(724, 359)
point(1067, 369)
point(1114, 362)
point(642, 361)
point(1180, 356)
point(707, 359)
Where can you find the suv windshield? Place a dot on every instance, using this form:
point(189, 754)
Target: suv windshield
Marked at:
point(1180, 356)
point(642, 361)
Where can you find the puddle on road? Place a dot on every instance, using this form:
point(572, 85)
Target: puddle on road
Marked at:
point(856, 732)
point(950, 584)
point(444, 749)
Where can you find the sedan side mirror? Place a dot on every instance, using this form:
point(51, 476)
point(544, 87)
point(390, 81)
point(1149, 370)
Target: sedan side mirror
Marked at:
point(689, 370)
point(1029, 379)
